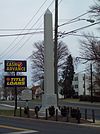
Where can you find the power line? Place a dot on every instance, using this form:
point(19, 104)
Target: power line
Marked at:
point(30, 36)
point(71, 32)
point(81, 28)
point(74, 34)
point(30, 29)
point(19, 29)
point(39, 32)
point(28, 33)
point(74, 19)
point(22, 31)
point(66, 23)
point(52, 12)
point(38, 27)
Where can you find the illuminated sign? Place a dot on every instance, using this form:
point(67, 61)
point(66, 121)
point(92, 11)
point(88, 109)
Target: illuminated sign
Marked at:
point(15, 66)
point(15, 81)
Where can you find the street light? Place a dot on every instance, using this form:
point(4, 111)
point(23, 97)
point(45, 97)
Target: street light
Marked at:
point(89, 20)
point(73, 21)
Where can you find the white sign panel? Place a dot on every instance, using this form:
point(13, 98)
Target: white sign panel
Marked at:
point(26, 94)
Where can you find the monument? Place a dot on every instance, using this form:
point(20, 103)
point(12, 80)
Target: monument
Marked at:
point(49, 98)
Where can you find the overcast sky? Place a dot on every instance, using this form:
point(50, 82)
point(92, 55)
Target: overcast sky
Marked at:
point(17, 14)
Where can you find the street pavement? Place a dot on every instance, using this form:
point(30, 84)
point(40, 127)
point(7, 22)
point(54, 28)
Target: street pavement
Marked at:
point(15, 125)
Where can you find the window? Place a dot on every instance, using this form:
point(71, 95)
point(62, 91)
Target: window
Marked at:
point(83, 85)
point(76, 78)
point(76, 86)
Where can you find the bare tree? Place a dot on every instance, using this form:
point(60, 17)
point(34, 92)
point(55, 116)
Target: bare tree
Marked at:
point(90, 51)
point(95, 10)
point(37, 58)
point(97, 76)
point(90, 48)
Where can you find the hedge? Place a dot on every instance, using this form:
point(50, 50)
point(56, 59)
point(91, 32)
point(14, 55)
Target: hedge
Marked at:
point(88, 98)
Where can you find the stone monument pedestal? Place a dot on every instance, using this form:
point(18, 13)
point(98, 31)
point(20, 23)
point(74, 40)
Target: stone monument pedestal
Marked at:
point(47, 101)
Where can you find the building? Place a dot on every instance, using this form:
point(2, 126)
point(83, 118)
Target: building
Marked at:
point(2, 94)
point(80, 84)
point(37, 92)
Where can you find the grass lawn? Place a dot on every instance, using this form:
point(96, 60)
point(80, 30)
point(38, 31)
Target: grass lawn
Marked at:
point(7, 112)
point(70, 100)
point(18, 114)
point(10, 112)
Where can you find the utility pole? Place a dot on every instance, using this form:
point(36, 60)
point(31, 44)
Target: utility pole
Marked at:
point(84, 86)
point(91, 83)
point(55, 49)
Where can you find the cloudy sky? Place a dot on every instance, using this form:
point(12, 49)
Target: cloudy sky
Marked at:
point(28, 14)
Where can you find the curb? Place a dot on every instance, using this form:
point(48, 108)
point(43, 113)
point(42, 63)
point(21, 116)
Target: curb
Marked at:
point(94, 125)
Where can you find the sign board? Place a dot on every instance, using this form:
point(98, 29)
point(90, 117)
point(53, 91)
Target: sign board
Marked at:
point(26, 94)
point(15, 81)
point(15, 66)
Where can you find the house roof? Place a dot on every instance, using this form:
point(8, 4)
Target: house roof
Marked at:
point(34, 88)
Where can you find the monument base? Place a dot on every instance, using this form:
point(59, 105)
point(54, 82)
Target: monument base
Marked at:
point(47, 101)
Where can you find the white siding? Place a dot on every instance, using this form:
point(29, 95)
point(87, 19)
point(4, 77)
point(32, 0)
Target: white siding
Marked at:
point(78, 84)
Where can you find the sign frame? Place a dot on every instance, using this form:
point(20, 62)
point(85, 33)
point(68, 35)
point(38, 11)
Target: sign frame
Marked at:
point(15, 66)
point(16, 79)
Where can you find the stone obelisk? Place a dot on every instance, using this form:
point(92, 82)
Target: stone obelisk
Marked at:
point(49, 98)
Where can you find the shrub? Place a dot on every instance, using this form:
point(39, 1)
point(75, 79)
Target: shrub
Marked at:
point(26, 110)
point(73, 113)
point(51, 110)
point(64, 111)
point(88, 98)
point(36, 109)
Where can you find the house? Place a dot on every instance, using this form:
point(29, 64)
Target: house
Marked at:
point(80, 84)
point(37, 92)
point(2, 94)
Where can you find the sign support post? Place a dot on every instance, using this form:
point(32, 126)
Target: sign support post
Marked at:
point(15, 97)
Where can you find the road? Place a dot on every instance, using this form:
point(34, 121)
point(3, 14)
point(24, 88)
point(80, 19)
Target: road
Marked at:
point(11, 125)
point(82, 106)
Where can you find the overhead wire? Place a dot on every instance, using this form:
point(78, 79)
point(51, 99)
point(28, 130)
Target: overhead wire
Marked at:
point(75, 30)
point(71, 20)
point(80, 35)
point(30, 35)
point(42, 31)
point(67, 22)
point(23, 28)
point(52, 12)
point(37, 28)
point(19, 29)
point(20, 34)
